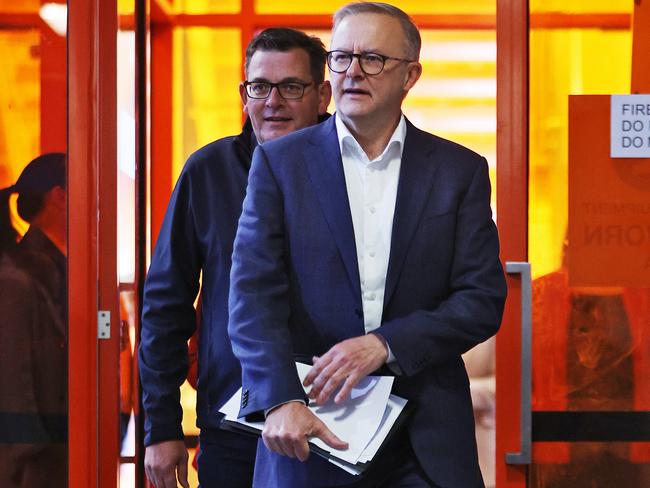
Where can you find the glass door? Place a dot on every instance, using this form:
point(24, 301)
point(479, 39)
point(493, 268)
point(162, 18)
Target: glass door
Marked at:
point(580, 412)
point(33, 245)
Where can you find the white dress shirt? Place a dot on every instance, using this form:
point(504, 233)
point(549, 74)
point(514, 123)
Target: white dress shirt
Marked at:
point(372, 192)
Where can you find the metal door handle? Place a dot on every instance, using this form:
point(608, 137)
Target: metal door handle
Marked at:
point(523, 269)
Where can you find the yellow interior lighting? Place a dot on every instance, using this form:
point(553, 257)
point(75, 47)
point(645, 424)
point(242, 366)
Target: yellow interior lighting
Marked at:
point(563, 62)
point(410, 6)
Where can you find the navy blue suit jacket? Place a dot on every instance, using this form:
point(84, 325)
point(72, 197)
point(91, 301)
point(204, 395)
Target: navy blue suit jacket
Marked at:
point(295, 285)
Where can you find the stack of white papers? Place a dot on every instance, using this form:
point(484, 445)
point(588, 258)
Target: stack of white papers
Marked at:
point(363, 421)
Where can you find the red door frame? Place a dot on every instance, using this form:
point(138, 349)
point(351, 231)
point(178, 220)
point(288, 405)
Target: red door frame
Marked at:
point(512, 218)
point(92, 176)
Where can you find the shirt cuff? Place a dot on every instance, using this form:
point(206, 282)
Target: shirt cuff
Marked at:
point(268, 410)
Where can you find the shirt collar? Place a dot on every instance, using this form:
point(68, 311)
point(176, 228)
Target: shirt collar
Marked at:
point(347, 142)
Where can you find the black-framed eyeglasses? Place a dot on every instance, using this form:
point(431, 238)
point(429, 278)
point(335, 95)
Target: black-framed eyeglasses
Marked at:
point(371, 63)
point(289, 90)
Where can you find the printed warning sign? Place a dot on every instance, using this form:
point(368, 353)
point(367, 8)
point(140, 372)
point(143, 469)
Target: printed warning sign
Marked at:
point(609, 200)
point(630, 126)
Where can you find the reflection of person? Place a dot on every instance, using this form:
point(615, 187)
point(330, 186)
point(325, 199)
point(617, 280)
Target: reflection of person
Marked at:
point(590, 353)
point(365, 241)
point(33, 335)
point(285, 91)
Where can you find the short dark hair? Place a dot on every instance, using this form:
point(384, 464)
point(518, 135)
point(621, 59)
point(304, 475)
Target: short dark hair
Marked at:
point(284, 39)
point(411, 32)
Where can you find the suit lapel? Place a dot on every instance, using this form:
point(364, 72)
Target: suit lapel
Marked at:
point(325, 170)
point(416, 178)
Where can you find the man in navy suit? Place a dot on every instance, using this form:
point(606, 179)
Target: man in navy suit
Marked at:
point(285, 90)
point(365, 243)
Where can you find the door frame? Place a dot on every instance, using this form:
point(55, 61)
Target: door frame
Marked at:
point(512, 219)
point(92, 244)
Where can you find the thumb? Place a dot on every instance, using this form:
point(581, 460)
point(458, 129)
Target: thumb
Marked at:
point(182, 474)
point(329, 438)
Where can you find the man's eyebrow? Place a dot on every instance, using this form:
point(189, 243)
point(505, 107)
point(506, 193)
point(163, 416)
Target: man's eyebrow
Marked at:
point(365, 51)
point(290, 79)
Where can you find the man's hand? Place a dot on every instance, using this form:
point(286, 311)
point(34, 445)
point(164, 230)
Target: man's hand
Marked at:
point(164, 461)
point(349, 361)
point(288, 428)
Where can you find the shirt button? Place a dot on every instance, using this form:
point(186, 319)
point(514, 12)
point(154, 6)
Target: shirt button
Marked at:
point(373, 210)
point(371, 254)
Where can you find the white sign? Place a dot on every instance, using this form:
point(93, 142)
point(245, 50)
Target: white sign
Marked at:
point(630, 129)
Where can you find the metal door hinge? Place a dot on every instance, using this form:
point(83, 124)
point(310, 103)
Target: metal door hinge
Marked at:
point(103, 324)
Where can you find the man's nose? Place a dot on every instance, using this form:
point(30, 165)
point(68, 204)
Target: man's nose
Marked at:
point(274, 99)
point(354, 70)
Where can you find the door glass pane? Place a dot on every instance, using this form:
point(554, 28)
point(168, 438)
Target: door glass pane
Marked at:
point(206, 6)
point(590, 353)
point(412, 7)
point(581, 6)
point(126, 251)
point(206, 95)
point(26, 6)
point(33, 246)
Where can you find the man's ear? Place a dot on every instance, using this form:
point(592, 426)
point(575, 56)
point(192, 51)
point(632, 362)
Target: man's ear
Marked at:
point(324, 96)
point(413, 73)
point(243, 96)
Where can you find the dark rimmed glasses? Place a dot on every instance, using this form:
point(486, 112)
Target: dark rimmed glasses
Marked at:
point(371, 63)
point(289, 90)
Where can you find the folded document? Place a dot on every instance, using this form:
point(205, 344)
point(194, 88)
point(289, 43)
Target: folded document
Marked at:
point(364, 421)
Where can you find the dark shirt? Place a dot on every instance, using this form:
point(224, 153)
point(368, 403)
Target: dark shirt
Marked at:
point(196, 235)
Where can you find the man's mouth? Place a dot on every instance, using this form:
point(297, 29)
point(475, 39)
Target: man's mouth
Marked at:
point(276, 118)
point(355, 91)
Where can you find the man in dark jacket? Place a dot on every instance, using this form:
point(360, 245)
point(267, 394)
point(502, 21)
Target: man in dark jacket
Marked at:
point(284, 91)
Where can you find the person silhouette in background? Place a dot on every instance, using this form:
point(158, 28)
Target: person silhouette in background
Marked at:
point(33, 329)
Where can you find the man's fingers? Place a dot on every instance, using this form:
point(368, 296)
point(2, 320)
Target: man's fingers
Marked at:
point(273, 443)
point(182, 474)
point(269, 445)
point(300, 448)
point(169, 480)
point(330, 387)
point(328, 437)
point(147, 472)
point(319, 384)
point(158, 478)
point(293, 446)
point(319, 365)
point(344, 393)
point(329, 378)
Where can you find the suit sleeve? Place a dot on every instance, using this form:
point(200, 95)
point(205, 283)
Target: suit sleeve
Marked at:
point(471, 312)
point(258, 301)
point(168, 316)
